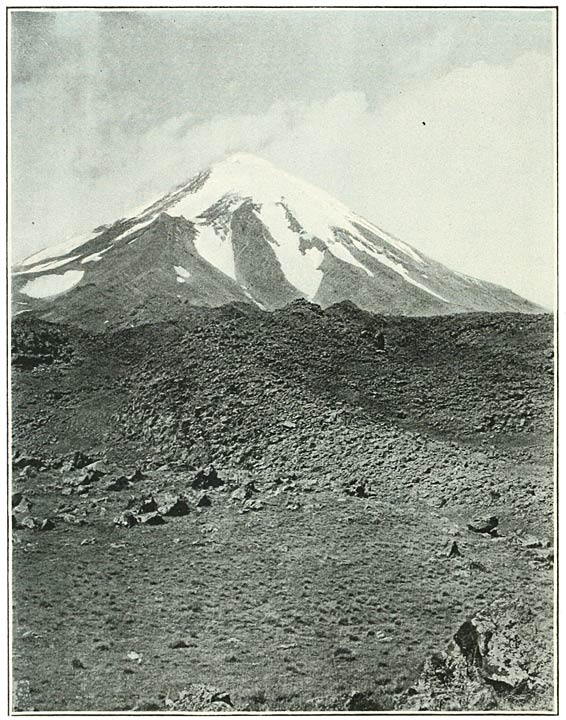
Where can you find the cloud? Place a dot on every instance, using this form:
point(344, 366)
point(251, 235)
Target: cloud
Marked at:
point(461, 166)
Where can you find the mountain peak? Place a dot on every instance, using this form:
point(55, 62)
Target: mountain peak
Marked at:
point(249, 175)
point(244, 158)
point(242, 231)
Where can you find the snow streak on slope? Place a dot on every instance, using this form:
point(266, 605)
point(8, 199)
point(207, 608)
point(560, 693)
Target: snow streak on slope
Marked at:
point(56, 251)
point(243, 177)
point(182, 274)
point(300, 269)
point(396, 266)
point(50, 285)
point(51, 254)
point(342, 253)
point(133, 229)
point(216, 250)
point(43, 267)
point(95, 257)
point(391, 240)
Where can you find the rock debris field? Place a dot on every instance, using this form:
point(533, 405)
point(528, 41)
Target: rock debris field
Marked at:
point(250, 511)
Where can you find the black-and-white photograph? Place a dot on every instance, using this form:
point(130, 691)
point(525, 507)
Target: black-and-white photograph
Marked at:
point(281, 324)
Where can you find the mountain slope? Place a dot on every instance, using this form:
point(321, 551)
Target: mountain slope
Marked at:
point(242, 231)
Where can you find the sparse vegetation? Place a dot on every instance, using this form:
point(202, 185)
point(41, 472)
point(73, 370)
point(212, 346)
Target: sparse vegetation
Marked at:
point(320, 597)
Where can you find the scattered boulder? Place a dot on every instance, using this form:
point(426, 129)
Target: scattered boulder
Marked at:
point(454, 550)
point(344, 653)
point(293, 505)
point(252, 505)
point(28, 522)
point(487, 527)
point(28, 472)
point(545, 556)
point(77, 461)
point(71, 518)
point(126, 519)
point(20, 504)
point(133, 656)
point(47, 524)
point(181, 643)
point(245, 491)
point(118, 484)
point(206, 479)
point(358, 489)
point(135, 476)
point(102, 645)
point(151, 518)
point(361, 702)
point(99, 466)
point(147, 505)
point(89, 477)
point(204, 501)
point(173, 506)
point(530, 541)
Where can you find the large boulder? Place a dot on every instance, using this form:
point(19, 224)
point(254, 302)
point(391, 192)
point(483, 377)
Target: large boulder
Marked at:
point(204, 501)
point(487, 526)
point(496, 661)
point(151, 518)
point(77, 461)
point(147, 504)
point(89, 477)
point(100, 466)
point(207, 479)
point(20, 504)
point(172, 505)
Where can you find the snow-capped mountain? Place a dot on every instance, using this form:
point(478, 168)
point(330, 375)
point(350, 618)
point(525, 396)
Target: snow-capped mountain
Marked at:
point(241, 231)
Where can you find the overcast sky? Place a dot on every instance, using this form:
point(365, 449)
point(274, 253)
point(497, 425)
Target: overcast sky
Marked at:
point(437, 125)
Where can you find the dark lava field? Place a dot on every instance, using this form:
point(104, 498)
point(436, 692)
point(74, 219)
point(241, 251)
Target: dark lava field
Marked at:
point(251, 511)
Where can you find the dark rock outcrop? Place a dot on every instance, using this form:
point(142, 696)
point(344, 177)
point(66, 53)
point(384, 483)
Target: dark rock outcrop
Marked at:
point(495, 662)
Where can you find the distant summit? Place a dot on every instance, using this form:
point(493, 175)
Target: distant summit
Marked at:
point(241, 231)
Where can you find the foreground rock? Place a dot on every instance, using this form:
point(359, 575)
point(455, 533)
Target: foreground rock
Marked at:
point(487, 527)
point(200, 698)
point(207, 479)
point(152, 510)
point(173, 506)
point(495, 662)
point(77, 461)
